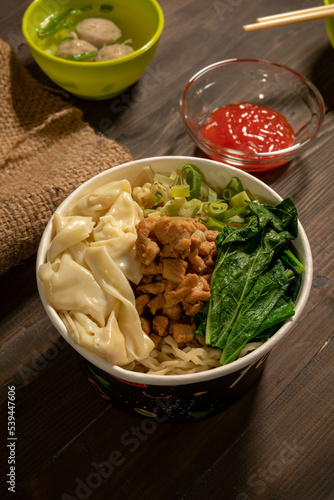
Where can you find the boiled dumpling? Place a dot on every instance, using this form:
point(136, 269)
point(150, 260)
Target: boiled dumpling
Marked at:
point(98, 31)
point(74, 47)
point(114, 51)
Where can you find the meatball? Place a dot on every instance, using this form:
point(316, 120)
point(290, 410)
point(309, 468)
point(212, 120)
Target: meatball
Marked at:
point(74, 47)
point(98, 31)
point(113, 52)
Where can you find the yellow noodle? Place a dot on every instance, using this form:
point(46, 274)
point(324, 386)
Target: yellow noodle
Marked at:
point(171, 359)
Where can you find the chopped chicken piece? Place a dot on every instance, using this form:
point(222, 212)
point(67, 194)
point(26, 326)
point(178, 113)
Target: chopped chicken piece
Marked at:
point(207, 248)
point(197, 262)
point(181, 292)
point(156, 339)
point(174, 269)
point(200, 292)
point(152, 288)
point(146, 248)
point(157, 303)
point(192, 309)
point(183, 332)
point(145, 324)
point(141, 303)
point(177, 257)
point(173, 312)
point(151, 269)
point(160, 325)
point(210, 234)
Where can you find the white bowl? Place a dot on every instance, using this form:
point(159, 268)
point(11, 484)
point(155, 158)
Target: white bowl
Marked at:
point(222, 385)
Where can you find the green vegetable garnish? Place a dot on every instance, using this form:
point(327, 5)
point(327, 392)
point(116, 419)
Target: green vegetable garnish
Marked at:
point(219, 210)
point(173, 207)
point(191, 176)
point(182, 191)
point(249, 280)
point(54, 23)
point(106, 8)
point(190, 208)
point(231, 191)
point(67, 39)
point(82, 57)
point(212, 195)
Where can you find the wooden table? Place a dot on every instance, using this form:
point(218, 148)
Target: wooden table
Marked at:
point(277, 442)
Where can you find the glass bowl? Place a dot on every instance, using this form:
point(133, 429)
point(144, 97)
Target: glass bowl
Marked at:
point(258, 82)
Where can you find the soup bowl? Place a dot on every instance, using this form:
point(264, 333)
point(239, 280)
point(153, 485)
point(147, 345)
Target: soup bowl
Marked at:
point(191, 396)
point(330, 24)
point(141, 22)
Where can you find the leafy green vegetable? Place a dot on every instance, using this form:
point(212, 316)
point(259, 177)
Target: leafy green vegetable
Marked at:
point(249, 281)
point(54, 23)
point(260, 301)
point(82, 57)
point(297, 267)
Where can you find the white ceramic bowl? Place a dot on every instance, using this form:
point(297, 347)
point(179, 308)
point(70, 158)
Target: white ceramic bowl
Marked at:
point(178, 397)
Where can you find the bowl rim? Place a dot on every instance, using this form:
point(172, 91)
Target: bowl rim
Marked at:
point(329, 24)
point(113, 62)
point(185, 379)
point(240, 155)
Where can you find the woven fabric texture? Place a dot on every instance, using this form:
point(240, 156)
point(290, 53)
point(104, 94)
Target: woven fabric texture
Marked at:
point(46, 151)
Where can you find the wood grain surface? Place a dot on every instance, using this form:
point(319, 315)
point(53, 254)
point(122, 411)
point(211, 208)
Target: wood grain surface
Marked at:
point(276, 443)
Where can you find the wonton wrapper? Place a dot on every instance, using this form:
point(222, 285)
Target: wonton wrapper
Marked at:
point(90, 260)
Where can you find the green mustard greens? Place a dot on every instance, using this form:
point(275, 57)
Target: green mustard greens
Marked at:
point(255, 280)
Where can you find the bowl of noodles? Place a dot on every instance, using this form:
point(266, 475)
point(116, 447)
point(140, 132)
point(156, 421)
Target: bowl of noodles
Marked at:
point(174, 278)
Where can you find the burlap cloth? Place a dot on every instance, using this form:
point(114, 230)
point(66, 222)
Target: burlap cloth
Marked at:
point(46, 151)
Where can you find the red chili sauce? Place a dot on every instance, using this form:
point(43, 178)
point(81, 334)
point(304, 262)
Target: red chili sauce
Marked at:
point(249, 128)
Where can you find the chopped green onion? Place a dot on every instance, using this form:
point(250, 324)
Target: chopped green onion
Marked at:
point(156, 213)
point(220, 211)
point(228, 193)
point(228, 214)
point(214, 225)
point(212, 195)
point(81, 10)
point(239, 199)
point(82, 57)
point(158, 195)
point(164, 179)
point(106, 8)
point(237, 182)
point(67, 39)
point(173, 207)
point(53, 23)
point(214, 208)
point(190, 208)
point(173, 176)
point(60, 21)
point(190, 175)
point(204, 192)
point(68, 23)
point(181, 191)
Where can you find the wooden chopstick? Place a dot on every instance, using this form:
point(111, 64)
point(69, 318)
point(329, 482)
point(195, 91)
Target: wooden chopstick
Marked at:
point(297, 16)
point(322, 8)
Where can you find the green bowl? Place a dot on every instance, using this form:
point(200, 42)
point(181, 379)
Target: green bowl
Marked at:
point(330, 23)
point(141, 21)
